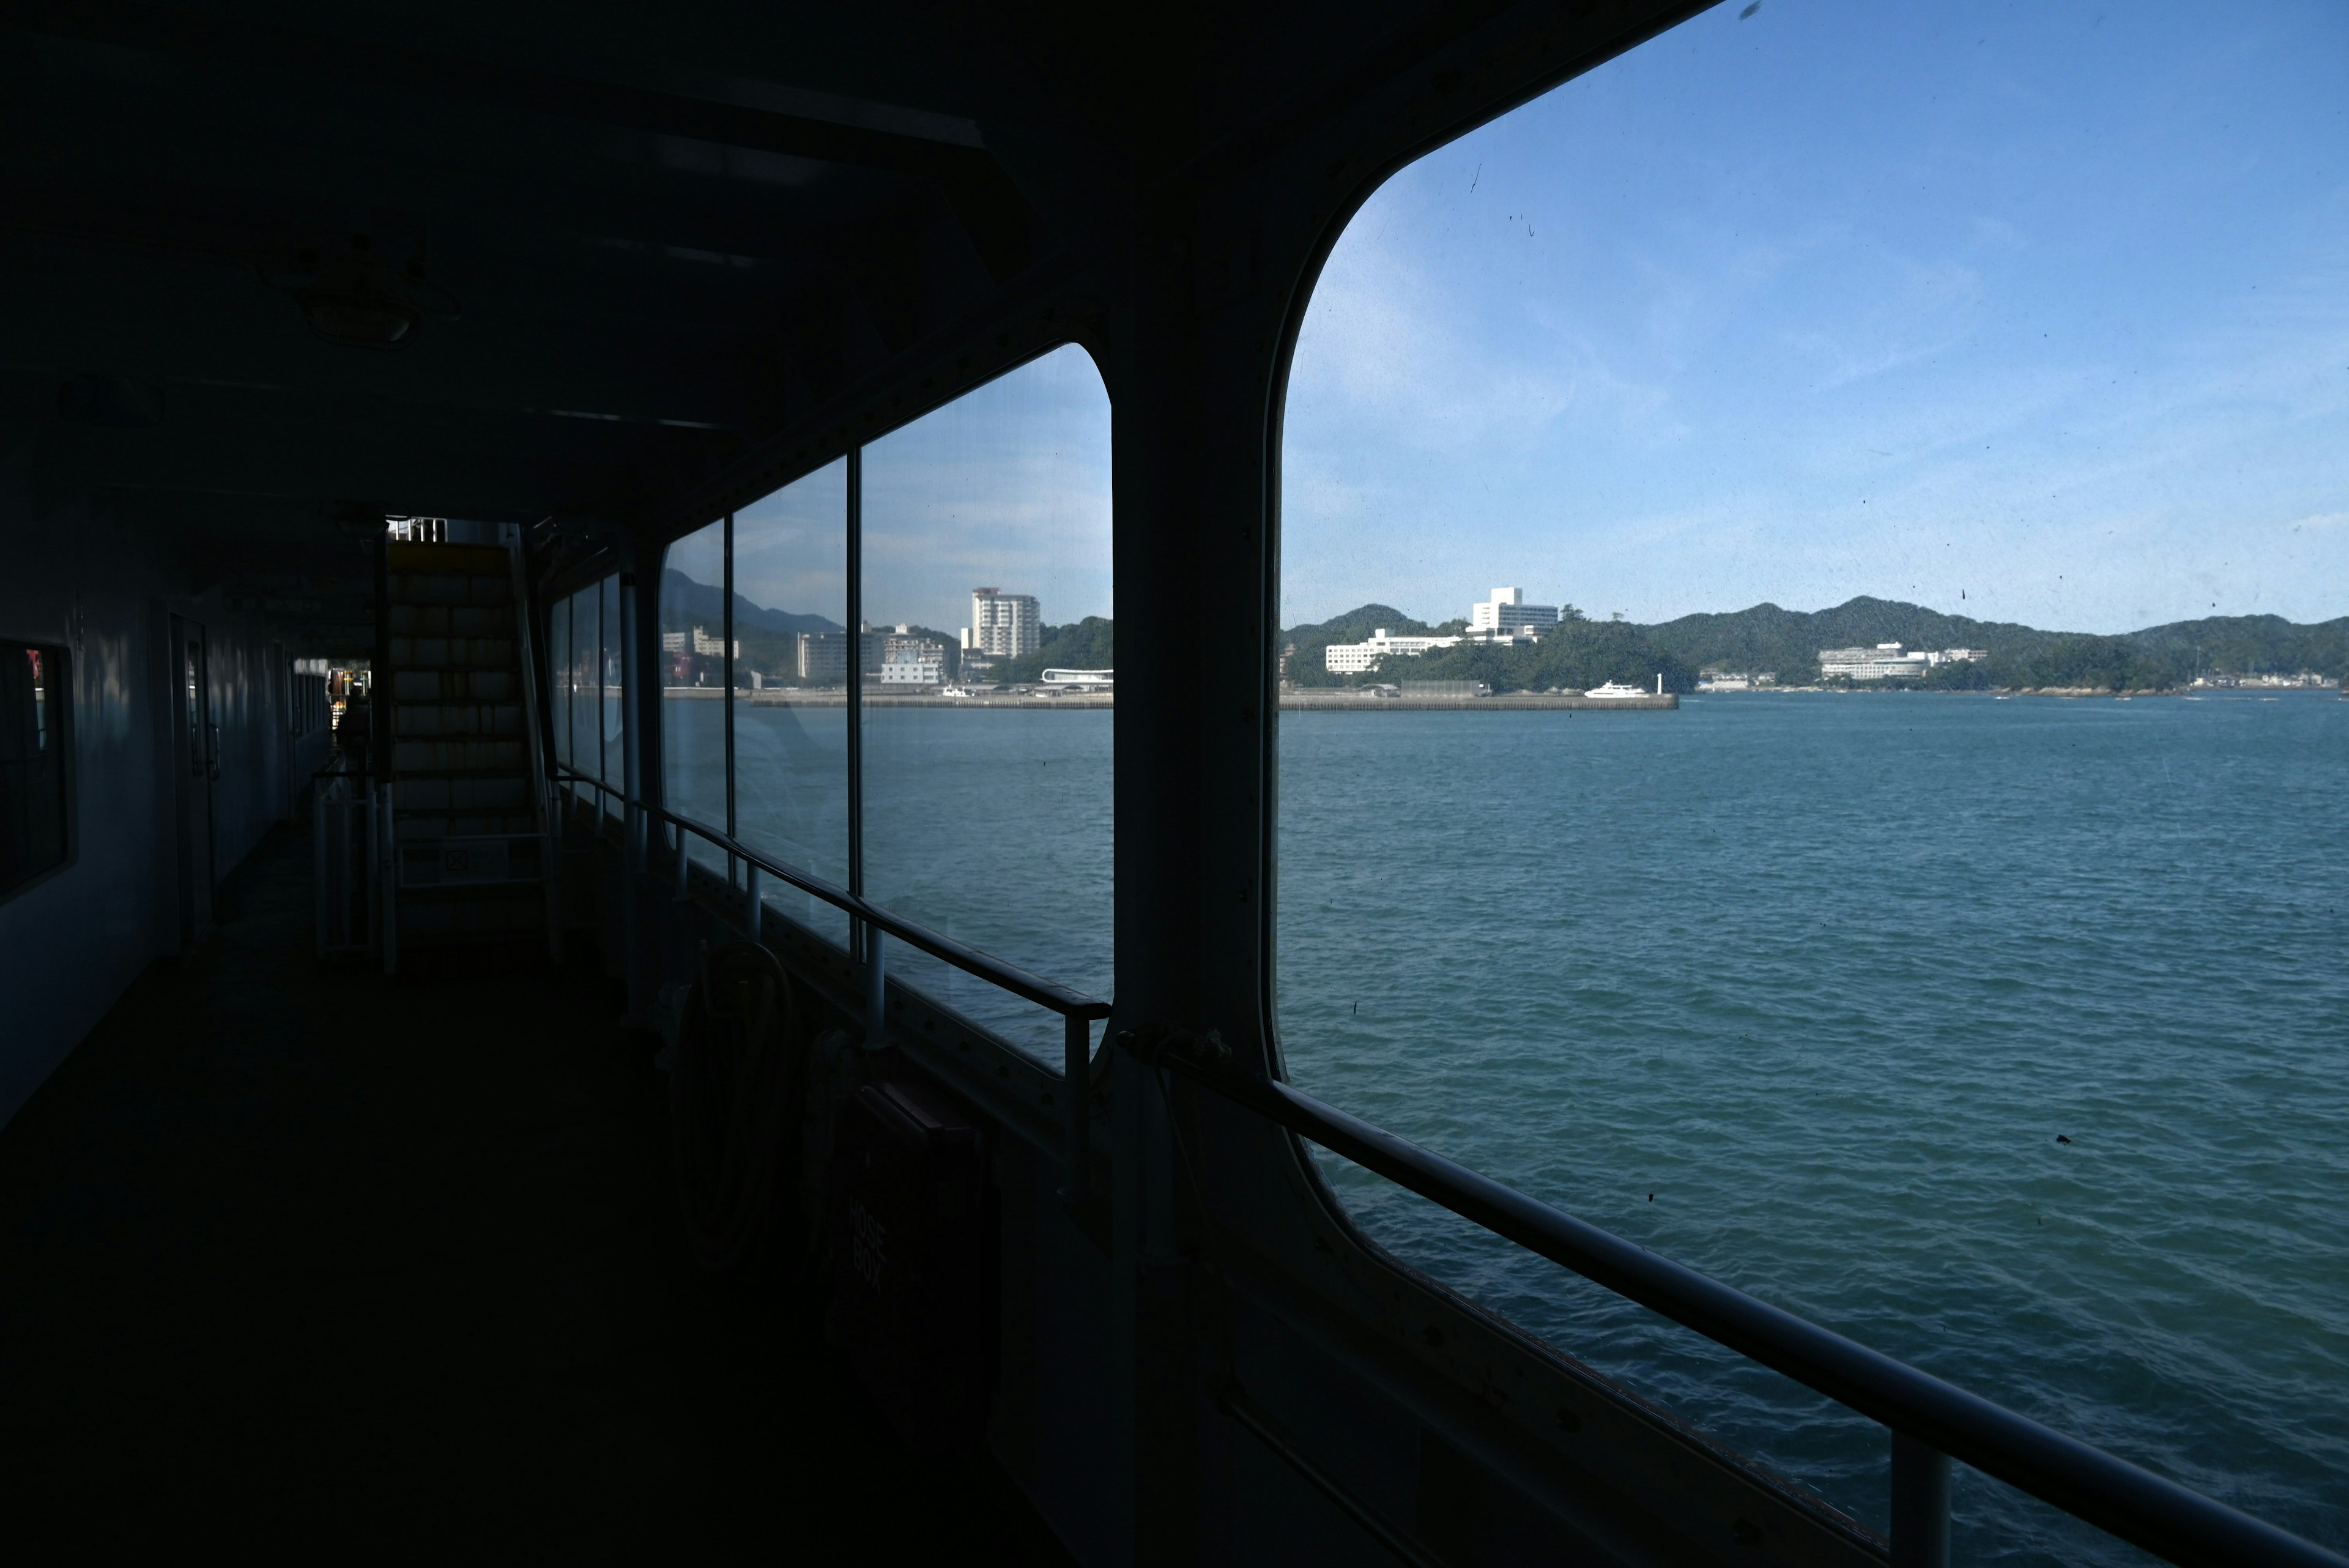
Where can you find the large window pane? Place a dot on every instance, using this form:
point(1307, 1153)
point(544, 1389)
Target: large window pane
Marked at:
point(586, 635)
point(1948, 405)
point(791, 712)
point(558, 678)
point(693, 680)
point(987, 559)
point(611, 671)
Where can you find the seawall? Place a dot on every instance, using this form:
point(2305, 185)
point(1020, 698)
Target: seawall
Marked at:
point(1513, 702)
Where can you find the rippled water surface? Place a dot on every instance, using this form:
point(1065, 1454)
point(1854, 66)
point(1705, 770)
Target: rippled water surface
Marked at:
point(1801, 990)
point(1798, 989)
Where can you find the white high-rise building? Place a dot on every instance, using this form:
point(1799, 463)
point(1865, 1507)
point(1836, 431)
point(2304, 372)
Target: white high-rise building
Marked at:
point(1507, 612)
point(822, 656)
point(1007, 626)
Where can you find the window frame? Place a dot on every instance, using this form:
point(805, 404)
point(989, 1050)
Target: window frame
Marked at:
point(806, 462)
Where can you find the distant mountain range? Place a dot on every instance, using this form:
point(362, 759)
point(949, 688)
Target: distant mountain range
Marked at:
point(684, 601)
point(1766, 638)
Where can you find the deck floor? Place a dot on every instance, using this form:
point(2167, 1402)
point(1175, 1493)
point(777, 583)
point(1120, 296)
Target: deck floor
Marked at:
point(305, 1259)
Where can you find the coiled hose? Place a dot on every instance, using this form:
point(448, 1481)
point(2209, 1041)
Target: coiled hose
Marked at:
point(736, 1083)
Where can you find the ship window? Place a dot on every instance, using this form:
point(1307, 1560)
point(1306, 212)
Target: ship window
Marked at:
point(790, 697)
point(558, 678)
point(693, 673)
point(33, 796)
point(579, 704)
point(987, 557)
point(611, 667)
point(983, 534)
point(1946, 406)
point(587, 672)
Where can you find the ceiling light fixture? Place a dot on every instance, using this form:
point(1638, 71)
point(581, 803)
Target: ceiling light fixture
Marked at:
point(354, 299)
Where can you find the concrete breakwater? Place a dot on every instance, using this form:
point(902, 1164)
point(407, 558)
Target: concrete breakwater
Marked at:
point(1331, 702)
point(1290, 701)
point(833, 697)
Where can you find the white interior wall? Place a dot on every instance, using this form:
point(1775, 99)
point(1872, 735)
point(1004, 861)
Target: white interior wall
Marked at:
point(72, 941)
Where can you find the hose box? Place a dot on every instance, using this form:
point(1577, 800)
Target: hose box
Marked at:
point(912, 1262)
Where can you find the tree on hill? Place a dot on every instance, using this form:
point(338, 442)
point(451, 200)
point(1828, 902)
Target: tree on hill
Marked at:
point(1575, 656)
point(2252, 645)
point(1308, 665)
point(1087, 644)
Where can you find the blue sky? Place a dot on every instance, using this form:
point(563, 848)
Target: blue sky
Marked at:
point(1006, 487)
point(2034, 312)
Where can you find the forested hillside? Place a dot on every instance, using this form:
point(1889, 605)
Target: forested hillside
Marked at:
point(686, 603)
point(1786, 643)
point(1087, 644)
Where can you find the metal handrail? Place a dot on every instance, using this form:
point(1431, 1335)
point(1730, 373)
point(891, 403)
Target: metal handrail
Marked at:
point(1045, 994)
point(1929, 1419)
point(1077, 1010)
point(2141, 1507)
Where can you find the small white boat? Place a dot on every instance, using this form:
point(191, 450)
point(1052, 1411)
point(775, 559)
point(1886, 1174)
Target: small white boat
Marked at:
point(1613, 689)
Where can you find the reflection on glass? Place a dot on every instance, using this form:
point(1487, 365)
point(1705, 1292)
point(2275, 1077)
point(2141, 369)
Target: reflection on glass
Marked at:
point(586, 634)
point(558, 678)
point(1868, 375)
point(693, 682)
point(791, 707)
point(610, 670)
point(985, 561)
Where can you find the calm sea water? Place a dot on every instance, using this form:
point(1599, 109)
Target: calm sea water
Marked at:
point(1802, 990)
point(1799, 989)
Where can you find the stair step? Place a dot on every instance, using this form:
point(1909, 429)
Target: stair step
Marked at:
point(516, 910)
point(454, 719)
point(454, 686)
point(484, 789)
point(454, 653)
point(407, 559)
point(452, 620)
point(469, 863)
point(455, 757)
point(411, 826)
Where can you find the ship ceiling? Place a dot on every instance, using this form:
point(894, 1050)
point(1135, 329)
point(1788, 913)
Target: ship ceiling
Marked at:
point(620, 246)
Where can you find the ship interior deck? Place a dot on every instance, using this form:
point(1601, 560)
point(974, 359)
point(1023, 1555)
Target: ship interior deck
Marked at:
point(309, 1235)
point(319, 1261)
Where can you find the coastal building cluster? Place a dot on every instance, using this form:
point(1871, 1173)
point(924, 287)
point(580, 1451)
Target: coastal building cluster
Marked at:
point(901, 658)
point(1504, 620)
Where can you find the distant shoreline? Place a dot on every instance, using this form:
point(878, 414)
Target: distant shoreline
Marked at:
point(836, 697)
point(2026, 691)
point(1507, 701)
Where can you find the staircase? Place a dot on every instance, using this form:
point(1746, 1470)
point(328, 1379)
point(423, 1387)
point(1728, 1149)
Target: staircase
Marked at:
point(467, 847)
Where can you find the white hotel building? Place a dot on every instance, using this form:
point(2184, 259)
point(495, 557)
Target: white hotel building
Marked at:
point(1353, 657)
point(1885, 660)
point(1504, 619)
point(1507, 613)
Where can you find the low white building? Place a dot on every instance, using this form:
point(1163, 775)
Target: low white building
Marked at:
point(1353, 657)
point(1081, 679)
point(1507, 612)
point(914, 667)
point(1887, 661)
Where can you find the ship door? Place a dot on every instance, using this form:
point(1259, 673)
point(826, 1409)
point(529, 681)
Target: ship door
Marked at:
point(195, 751)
